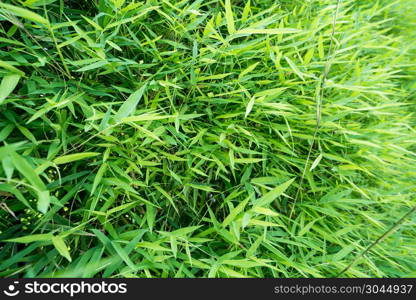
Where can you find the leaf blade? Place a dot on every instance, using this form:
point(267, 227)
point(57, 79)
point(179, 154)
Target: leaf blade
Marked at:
point(74, 157)
point(273, 194)
point(8, 84)
point(130, 104)
point(60, 245)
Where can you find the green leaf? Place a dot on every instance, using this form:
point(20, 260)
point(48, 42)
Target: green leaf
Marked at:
point(249, 107)
point(246, 11)
point(31, 238)
point(8, 167)
point(11, 68)
point(343, 253)
point(93, 66)
point(98, 177)
point(229, 17)
point(24, 13)
point(264, 211)
point(296, 69)
point(316, 162)
point(254, 246)
point(114, 45)
point(8, 84)
point(129, 106)
point(74, 157)
point(167, 196)
point(248, 70)
point(152, 246)
point(202, 187)
point(35, 3)
point(249, 31)
point(123, 255)
point(27, 171)
point(145, 117)
point(214, 77)
point(11, 189)
point(273, 194)
point(43, 201)
point(248, 160)
point(235, 212)
point(181, 232)
point(60, 245)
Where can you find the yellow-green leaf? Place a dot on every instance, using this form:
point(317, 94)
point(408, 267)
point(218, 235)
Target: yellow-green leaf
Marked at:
point(31, 238)
point(250, 31)
point(74, 157)
point(8, 84)
point(273, 194)
point(129, 106)
point(9, 67)
point(60, 245)
point(235, 212)
point(229, 17)
point(24, 13)
point(28, 172)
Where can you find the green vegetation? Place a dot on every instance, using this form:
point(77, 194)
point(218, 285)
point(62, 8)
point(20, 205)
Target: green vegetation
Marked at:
point(219, 138)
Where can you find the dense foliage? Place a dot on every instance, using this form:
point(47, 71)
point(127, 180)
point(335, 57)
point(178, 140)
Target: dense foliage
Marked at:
point(219, 138)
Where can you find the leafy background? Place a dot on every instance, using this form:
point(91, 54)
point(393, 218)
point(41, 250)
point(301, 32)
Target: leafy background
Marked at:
point(213, 138)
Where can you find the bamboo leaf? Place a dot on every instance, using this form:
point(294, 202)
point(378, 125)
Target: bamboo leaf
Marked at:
point(7, 85)
point(74, 157)
point(60, 245)
point(273, 194)
point(229, 16)
point(129, 106)
point(24, 13)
